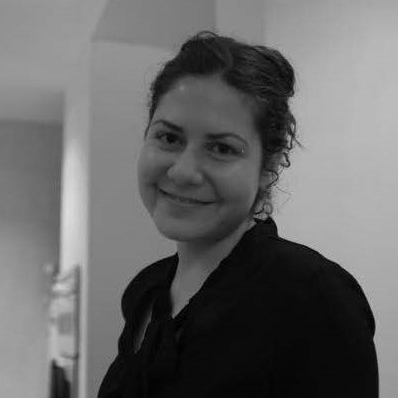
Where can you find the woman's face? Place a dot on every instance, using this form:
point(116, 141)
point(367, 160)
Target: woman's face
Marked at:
point(202, 146)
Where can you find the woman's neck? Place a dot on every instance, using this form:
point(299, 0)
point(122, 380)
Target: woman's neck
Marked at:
point(201, 258)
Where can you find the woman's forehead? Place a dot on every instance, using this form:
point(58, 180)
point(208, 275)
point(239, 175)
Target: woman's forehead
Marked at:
point(208, 100)
point(207, 86)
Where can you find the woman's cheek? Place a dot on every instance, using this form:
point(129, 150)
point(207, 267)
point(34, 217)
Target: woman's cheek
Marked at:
point(146, 164)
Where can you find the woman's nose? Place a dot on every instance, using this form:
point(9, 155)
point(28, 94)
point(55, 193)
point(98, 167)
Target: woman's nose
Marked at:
point(185, 169)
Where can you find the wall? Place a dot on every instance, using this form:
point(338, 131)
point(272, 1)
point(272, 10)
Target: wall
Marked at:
point(241, 19)
point(342, 189)
point(29, 235)
point(154, 23)
point(75, 191)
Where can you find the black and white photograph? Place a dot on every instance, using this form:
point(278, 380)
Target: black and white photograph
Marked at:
point(198, 198)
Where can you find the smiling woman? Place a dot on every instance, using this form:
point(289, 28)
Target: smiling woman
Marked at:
point(180, 158)
point(237, 311)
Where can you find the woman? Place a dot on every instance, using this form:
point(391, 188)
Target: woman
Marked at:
point(237, 311)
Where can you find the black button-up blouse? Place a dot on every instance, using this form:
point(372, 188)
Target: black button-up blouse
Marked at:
point(274, 319)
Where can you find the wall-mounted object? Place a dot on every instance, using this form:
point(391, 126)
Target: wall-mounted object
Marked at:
point(64, 314)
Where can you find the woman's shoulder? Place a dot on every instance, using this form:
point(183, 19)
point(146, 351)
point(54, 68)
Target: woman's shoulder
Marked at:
point(295, 260)
point(302, 262)
point(321, 280)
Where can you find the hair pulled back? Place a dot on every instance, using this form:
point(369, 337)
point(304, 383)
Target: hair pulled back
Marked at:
point(263, 74)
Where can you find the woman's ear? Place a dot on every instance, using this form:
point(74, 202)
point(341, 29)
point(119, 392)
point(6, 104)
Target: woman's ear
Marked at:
point(265, 179)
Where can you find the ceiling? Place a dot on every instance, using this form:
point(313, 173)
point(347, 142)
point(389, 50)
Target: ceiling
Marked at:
point(40, 41)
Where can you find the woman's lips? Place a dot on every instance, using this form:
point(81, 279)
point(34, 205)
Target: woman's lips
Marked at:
point(183, 200)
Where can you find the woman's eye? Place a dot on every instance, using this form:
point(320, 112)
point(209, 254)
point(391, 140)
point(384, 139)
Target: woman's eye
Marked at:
point(167, 138)
point(224, 149)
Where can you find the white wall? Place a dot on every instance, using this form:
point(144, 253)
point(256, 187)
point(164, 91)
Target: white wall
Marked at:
point(154, 23)
point(29, 220)
point(343, 185)
point(75, 167)
point(75, 191)
point(241, 19)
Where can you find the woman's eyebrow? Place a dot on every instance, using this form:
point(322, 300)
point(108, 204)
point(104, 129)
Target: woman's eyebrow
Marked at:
point(227, 134)
point(168, 124)
point(219, 135)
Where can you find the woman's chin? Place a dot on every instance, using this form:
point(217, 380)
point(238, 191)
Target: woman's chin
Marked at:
point(177, 230)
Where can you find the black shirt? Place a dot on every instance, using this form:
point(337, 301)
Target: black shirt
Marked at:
point(274, 319)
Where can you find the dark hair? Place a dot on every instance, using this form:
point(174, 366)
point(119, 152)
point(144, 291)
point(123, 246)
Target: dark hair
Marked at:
point(260, 72)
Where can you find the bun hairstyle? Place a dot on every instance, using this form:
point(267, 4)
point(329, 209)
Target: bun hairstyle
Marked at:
point(260, 72)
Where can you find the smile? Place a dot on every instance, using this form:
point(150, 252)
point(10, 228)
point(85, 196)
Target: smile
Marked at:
point(182, 201)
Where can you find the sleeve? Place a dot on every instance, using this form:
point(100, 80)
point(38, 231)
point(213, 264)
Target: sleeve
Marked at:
point(111, 385)
point(333, 355)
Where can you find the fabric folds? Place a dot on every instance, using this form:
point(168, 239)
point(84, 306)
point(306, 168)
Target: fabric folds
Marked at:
point(158, 357)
